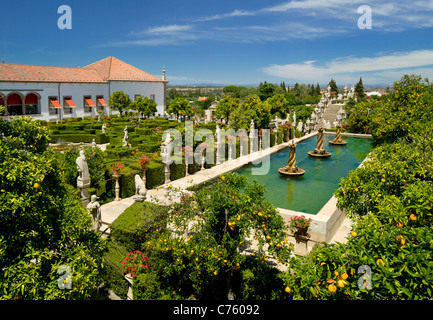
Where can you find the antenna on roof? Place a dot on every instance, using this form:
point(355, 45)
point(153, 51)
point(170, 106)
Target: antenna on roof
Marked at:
point(163, 73)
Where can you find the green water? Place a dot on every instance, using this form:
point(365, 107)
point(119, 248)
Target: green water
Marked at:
point(310, 192)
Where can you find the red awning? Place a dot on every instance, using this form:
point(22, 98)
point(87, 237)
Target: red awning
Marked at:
point(102, 102)
point(90, 102)
point(70, 103)
point(55, 103)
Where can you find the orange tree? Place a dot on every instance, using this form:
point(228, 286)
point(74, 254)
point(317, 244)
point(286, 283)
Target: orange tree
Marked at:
point(388, 254)
point(46, 248)
point(201, 253)
point(410, 103)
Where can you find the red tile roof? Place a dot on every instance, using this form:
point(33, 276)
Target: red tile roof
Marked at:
point(107, 69)
point(112, 68)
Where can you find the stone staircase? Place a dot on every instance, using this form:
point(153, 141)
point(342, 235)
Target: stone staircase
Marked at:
point(330, 113)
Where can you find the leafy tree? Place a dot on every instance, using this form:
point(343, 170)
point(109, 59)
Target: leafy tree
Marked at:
point(333, 85)
point(180, 107)
point(359, 89)
point(225, 107)
point(43, 225)
point(318, 89)
point(144, 105)
point(119, 101)
point(203, 255)
point(278, 106)
point(173, 94)
point(266, 90)
point(232, 91)
point(251, 108)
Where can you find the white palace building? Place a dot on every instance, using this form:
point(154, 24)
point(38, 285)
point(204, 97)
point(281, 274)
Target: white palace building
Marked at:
point(54, 93)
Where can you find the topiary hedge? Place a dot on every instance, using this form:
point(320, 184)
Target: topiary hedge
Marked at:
point(112, 276)
point(132, 226)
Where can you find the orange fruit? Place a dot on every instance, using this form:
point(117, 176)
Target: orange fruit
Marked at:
point(383, 180)
point(399, 224)
point(354, 234)
point(332, 288)
point(287, 289)
point(412, 217)
point(340, 284)
point(381, 262)
point(36, 185)
point(344, 276)
point(356, 189)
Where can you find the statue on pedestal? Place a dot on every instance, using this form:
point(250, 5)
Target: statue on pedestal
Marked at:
point(83, 179)
point(125, 137)
point(166, 149)
point(94, 209)
point(140, 189)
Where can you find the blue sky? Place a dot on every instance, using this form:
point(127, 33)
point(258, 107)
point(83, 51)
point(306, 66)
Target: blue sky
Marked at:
point(229, 42)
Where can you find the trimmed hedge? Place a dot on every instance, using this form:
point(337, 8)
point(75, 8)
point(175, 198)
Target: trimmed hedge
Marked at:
point(80, 137)
point(112, 276)
point(132, 226)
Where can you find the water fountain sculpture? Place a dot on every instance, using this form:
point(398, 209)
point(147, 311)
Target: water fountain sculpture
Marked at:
point(291, 169)
point(337, 140)
point(319, 151)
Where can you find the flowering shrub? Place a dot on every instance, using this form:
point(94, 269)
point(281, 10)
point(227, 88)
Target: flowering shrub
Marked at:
point(299, 224)
point(144, 162)
point(186, 150)
point(203, 146)
point(118, 168)
point(135, 262)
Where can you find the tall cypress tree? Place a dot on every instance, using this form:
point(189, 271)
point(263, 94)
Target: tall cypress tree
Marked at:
point(359, 89)
point(333, 85)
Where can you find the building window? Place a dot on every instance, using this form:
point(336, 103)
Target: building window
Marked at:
point(53, 105)
point(15, 105)
point(31, 104)
point(68, 104)
point(136, 96)
point(100, 103)
point(152, 97)
point(88, 104)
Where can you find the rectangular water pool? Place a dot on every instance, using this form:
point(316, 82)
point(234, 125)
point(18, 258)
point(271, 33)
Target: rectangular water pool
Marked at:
point(310, 192)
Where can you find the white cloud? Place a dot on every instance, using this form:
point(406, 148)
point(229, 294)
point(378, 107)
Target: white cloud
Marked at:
point(235, 13)
point(348, 69)
point(163, 30)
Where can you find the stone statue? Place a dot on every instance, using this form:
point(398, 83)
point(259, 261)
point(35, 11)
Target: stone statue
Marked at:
point(140, 189)
point(294, 118)
point(218, 135)
point(83, 170)
point(166, 148)
point(93, 143)
point(319, 151)
point(94, 209)
point(125, 137)
point(104, 128)
point(252, 128)
point(300, 125)
point(83, 179)
point(291, 169)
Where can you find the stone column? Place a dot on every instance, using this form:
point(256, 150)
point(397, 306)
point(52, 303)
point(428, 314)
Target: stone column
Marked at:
point(117, 187)
point(166, 173)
